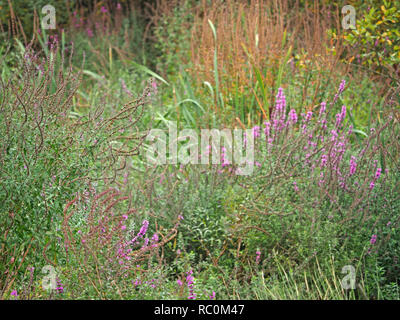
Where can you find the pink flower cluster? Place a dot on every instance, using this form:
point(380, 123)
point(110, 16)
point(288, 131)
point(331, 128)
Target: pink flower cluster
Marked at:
point(341, 89)
point(376, 177)
point(190, 284)
point(279, 113)
point(125, 248)
point(324, 150)
point(258, 255)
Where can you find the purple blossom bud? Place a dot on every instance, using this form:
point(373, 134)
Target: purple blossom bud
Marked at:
point(353, 165)
point(323, 108)
point(256, 131)
point(293, 116)
point(371, 185)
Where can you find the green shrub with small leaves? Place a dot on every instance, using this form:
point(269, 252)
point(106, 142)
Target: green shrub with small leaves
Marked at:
point(376, 38)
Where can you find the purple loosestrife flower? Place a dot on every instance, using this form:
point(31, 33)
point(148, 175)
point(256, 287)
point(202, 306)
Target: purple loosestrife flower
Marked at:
point(154, 237)
point(267, 132)
point(373, 239)
point(323, 108)
point(224, 160)
point(378, 173)
point(308, 116)
point(321, 181)
point(225, 163)
point(340, 117)
point(190, 284)
point(341, 89)
point(279, 113)
point(371, 185)
point(280, 101)
point(324, 160)
point(343, 113)
point(141, 233)
point(341, 86)
point(180, 283)
point(324, 126)
point(334, 135)
point(154, 85)
point(212, 297)
point(293, 116)
point(353, 165)
point(208, 150)
point(258, 254)
point(154, 240)
point(60, 288)
point(143, 229)
point(306, 120)
point(103, 9)
point(350, 130)
point(256, 132)
point(89, 33)
point(14, 293)
point(296, 188)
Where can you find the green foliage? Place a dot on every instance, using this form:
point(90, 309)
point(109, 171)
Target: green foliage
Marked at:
point(376, 37)
point(173, 39)
point(72, 174)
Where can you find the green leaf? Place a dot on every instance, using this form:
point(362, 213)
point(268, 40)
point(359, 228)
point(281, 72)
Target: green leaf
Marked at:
point(147, 70)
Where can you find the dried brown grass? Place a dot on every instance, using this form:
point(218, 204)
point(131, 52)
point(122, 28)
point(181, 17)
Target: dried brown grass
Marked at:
point(240, 23)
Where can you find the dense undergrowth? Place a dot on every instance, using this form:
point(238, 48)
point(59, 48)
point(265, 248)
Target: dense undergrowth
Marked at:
point(79, 199)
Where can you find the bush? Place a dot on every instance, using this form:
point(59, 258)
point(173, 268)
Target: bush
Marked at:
point(49, 152)
point(376, 39)
point(318, 194)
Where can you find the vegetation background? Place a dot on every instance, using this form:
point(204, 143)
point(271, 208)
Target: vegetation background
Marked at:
point(79, 199)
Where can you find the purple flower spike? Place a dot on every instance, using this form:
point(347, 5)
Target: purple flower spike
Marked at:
point(353, 165)
point(378, 173)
